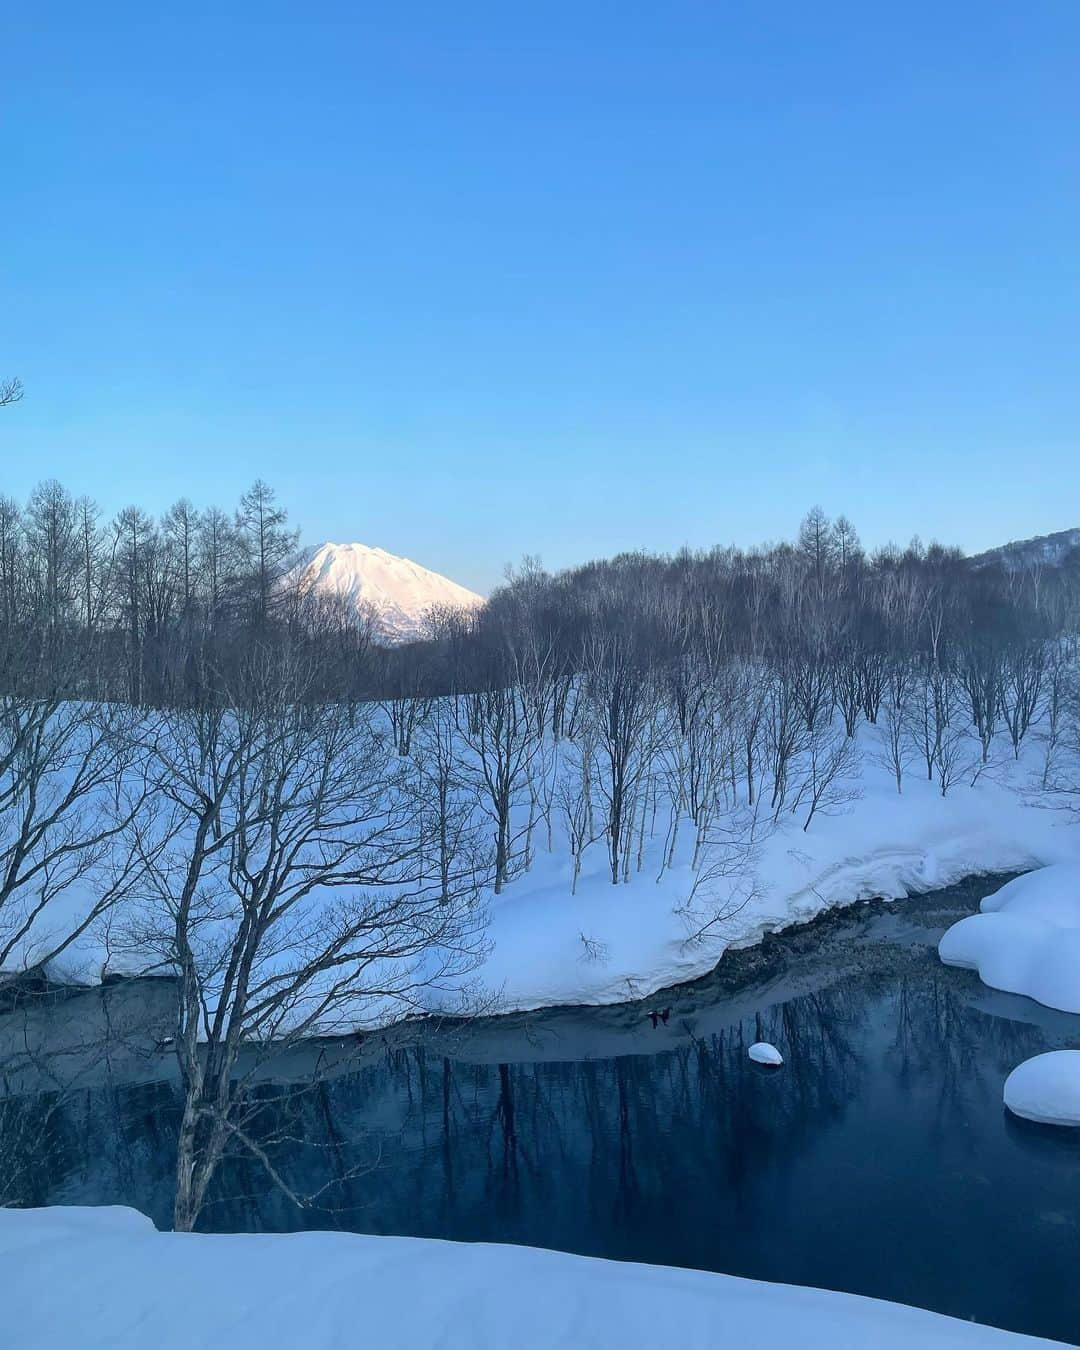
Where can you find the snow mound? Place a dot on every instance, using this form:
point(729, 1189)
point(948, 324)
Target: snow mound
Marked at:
point(761, 1052)
point(1026, 939)
point(123, 1286)
point(397, 592)
point(1046, 1088)
point(1051, 893)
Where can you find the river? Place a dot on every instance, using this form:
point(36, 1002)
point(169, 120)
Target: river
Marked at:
point(878, 1160)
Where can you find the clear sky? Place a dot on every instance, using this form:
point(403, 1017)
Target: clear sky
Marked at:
point(471, 280)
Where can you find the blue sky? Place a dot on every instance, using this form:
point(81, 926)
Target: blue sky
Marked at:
point(471, 280)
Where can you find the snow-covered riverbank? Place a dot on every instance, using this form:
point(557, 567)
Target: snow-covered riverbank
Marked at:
point(607, 944)
point(1026, 940)
point(550, 945)
point(105, 1278)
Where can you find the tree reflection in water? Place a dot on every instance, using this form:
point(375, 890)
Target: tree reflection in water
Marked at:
point(877, 1159)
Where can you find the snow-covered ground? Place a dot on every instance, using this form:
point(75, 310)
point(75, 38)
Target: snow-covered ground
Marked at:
point(607, 944)
point(91, 1278)
point(1026, 938)
point(882, 844)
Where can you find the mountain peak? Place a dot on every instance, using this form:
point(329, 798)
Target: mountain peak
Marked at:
point(397, 591)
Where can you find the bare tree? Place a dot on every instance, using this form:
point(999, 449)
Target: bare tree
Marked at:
point(218, 562)
point(953, 743)
point(933, 707)
point(496, 726)
point(622, 693)
point(1021, 689)
point(981, 676)
point(893, 728)
point(406, 703)
point(289, 888)
point(830, 767)
point(269, 545)
point(71, 783)
point(448, 800)
point(1059, 701)
point(818, 545)
point(12, 566)
point(785, 731)
point(724, 875)
point(50, 525)
point(576, 796)
point(93, 572)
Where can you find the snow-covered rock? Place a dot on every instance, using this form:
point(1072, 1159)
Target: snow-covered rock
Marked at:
point(761, 1052)
point(398, 593)
point(91, 1278)
point(1026, 939)
point(1046, 1088)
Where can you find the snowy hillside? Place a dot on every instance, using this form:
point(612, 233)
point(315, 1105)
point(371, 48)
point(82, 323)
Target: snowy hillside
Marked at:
point(1050, 550)
point(554, 941)
point(398, 592)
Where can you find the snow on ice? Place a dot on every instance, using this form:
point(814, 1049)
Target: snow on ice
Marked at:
point(761, 1052)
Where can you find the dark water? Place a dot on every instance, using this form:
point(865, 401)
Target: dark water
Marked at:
point(878, 1160)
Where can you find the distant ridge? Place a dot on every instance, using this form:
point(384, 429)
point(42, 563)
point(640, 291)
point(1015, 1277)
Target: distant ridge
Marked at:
point(1049, 549)
point(397, 592)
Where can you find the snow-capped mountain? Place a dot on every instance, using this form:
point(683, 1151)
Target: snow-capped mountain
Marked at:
point(397, 592)
point(1049, 549)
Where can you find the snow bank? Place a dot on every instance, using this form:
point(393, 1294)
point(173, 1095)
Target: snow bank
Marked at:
point(761, 1052)
point(1046, 1088)
point(609, 944)
point(884, 844)
point(1026, 939)
point(103, 1277)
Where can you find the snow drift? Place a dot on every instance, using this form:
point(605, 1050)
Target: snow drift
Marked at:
point(1026, 939)
point(105, 1278)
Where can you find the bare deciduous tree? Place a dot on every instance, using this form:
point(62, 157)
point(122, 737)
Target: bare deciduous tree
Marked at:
point(290, 889)
point(830, 768)
point(622, 693)
point(71, 782)
point(893, 726)
point(496, 726)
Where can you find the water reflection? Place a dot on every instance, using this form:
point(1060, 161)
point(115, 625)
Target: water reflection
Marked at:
point(877, 1160)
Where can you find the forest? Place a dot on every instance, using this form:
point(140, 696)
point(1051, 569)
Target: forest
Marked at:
point(215, 773)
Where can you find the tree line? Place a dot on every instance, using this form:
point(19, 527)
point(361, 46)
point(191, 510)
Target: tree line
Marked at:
point(228, 779)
